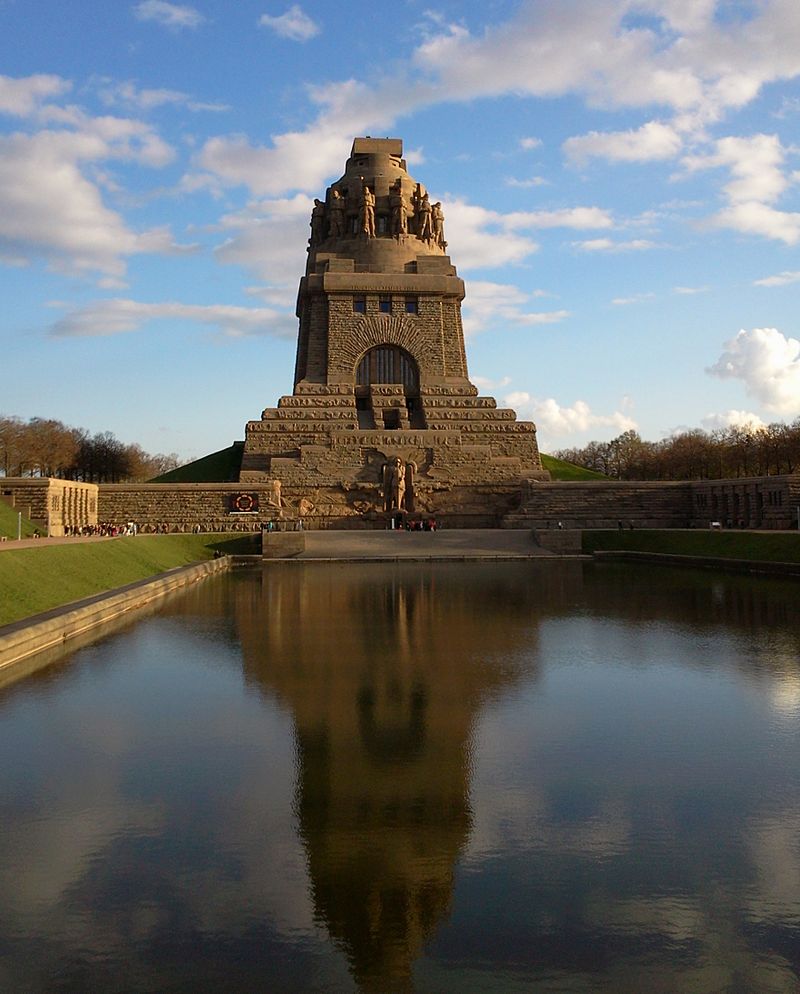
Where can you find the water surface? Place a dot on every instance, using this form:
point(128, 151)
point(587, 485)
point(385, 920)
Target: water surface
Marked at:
point(441, 777)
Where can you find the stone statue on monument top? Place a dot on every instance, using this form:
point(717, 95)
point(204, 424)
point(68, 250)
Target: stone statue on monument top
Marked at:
point(336, 214)
point(366, 214)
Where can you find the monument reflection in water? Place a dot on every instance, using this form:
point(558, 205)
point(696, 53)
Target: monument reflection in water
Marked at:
point(544, 777)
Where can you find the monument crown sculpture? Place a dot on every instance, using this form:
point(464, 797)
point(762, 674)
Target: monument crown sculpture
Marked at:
point(381, 389)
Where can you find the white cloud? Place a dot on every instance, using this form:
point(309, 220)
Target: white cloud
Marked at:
point(687, 291)
point(781, 279)
point(481, 237)
point(529, 143)
point(568, 217)
point(129, 95)
point(650, 142)
point(486, 238)
point(768, 363)
point(555, 422)
point(489, 304)
point(49, 208)
point(758, 179)
point(295, 24)
point(607, 245)
point(489, 385)
point(115, 316)
point(686, 60)
point(170, 15)
point(267, 238)
point(22, 97)
point(637, 298)
point(732, 419)
point(525, 184)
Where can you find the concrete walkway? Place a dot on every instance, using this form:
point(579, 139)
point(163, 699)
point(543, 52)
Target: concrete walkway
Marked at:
point(43, 543)
point(465, 543)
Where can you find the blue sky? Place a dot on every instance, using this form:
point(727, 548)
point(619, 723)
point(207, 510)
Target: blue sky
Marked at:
point(620, 178)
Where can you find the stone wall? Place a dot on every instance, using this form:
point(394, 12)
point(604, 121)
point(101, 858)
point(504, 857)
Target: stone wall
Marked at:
point(52, 505)
point(758, 502)
point(772, 503)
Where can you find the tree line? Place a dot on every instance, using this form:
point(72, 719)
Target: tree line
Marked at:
point(45, 447)
point(724, 453)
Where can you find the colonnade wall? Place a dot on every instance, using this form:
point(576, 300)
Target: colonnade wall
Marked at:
point(766, 502)
point(53, 505)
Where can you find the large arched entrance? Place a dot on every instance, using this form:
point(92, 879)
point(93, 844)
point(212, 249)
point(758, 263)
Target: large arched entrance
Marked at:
point(388, 364)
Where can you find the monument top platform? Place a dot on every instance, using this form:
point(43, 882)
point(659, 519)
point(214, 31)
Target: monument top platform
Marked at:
point(377, 146)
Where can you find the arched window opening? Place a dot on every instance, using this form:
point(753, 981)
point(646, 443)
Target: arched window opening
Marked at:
point(388, 364)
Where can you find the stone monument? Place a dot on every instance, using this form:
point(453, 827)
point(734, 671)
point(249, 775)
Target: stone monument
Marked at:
point(381, 390)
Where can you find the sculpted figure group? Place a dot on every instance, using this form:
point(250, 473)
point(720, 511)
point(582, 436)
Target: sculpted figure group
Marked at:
point(415, 215)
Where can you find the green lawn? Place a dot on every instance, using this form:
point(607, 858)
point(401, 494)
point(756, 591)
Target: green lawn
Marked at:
point(8, 522)
point(34, 580)
point(560, 470)
point(778, 547)
point(217, 467)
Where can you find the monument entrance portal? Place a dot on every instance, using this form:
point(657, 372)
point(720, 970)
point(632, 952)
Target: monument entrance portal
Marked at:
point(381, 389)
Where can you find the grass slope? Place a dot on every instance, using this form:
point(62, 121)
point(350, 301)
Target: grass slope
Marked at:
point(764, 547)
point(8, 522)
point(560, 470)
point(218, 467)
point(34, 580)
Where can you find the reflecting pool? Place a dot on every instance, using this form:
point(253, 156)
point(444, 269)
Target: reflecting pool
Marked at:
point(549, 776)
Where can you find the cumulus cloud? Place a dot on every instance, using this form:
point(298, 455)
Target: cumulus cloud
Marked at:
point(482, 238)
point(267, 237)
point(758, 179)
point(117, 315)
point(529, 143)
point(50, 209)
point(295, 24)
point(650, 142)
point(780, 279)
point(488, 238)
point(170, 15)
point(488, 304)
point(608, 245)
point(22, 97)
point(555, 422)
point(732, 419)
point(768, 363)
point(684, 59)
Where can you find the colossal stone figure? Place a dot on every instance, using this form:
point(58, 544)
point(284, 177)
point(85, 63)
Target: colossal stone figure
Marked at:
point(394, 475)
point(336, 214)
point(317, 222)
point(424, 222)
point(397, 203)
point(367, 212)
point(437, 222)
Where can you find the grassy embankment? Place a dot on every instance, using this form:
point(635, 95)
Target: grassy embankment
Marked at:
point(9, 519)
point(37, 579)
point(216, 467)
point(764, 547)
point(560, 470)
